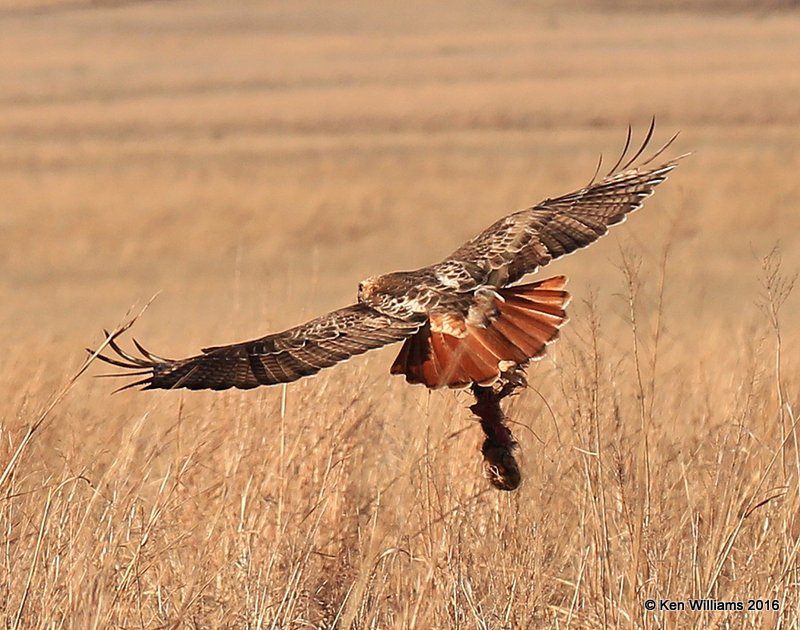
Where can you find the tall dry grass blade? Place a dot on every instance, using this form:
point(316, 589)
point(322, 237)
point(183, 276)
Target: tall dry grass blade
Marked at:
point(13, 462)
point(34, 561)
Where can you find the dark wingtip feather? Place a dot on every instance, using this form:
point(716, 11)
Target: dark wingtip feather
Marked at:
point(118, 363)
point(642, 148)
point(627, 146)
point(148, 382)
point(149, 355)
point(123, 374)
point(663, 148)
point(146, 365)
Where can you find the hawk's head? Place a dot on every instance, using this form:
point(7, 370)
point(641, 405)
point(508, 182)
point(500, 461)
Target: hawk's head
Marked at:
point(393, 294)
point(376, 290)
point(366, 289)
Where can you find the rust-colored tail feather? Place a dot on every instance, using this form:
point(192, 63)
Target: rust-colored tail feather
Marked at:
point(462, 361)
point(498, 345)
point(529, 317)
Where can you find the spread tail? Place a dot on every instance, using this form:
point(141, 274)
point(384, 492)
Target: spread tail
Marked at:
point(444, 353)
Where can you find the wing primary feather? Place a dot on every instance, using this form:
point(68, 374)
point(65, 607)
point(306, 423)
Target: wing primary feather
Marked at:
point(144, 381)
point(664, 147)
point(128, 357)
point(147, 354)
point(123, 374)
point(627, 146)
point(116, 362)
point(647, 139)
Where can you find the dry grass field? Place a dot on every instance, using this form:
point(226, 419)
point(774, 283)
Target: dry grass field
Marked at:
point(250, 162)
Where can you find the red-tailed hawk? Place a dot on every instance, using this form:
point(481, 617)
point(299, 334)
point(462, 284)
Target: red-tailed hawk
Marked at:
point(462, 321)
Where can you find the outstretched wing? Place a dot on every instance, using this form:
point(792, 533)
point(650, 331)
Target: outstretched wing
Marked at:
point(524, 241)
point(279, 358)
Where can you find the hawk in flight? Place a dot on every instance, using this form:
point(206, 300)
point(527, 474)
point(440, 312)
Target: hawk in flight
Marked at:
point(462, 321)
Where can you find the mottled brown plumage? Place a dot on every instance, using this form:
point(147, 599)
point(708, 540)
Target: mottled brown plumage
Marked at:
point(463, 320)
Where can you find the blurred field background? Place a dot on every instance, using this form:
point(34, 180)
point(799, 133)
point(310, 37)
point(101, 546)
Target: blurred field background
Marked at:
point(252, 162)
